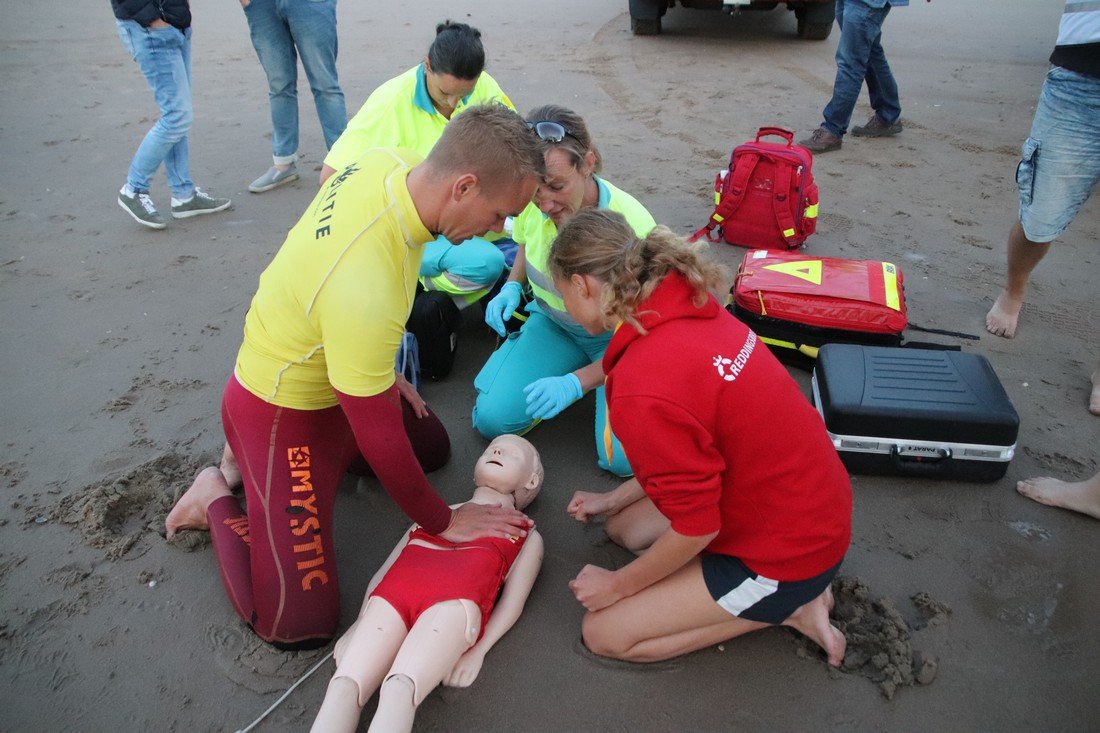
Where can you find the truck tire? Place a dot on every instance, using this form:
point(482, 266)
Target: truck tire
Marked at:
point(645, 16)
point(645, 26)
point(814, 31)
point(815, 22)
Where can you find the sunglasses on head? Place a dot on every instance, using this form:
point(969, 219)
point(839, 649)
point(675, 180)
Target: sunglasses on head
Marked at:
point(551, 132)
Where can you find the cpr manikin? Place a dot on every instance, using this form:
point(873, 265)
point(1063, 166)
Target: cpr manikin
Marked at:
point(426, 618)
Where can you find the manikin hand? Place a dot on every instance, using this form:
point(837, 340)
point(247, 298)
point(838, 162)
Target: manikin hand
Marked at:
point(466, 669)
point(410, 395)
point(548, 396)
point(479, 520)
point(587, 504)
point(500, 309)
point(595, 588)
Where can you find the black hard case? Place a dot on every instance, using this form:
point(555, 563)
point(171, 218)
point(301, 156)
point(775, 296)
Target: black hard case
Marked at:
point(891, 411)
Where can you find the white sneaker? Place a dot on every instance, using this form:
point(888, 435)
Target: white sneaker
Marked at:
point(199, 204)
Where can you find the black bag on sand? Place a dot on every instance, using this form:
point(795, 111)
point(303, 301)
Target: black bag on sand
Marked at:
point(434, 321)
point(906, 412)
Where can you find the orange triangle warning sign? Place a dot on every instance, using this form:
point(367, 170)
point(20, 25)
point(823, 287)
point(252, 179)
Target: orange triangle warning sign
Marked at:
point(808, 270)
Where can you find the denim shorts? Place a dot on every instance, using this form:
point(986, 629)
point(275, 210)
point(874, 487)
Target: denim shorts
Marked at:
point(1060, 163)
point(747, 595)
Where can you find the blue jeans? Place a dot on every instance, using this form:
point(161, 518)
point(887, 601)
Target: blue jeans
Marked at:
point(1060, 164)
point(164, 55)
point(283, 30)
point(859, 58)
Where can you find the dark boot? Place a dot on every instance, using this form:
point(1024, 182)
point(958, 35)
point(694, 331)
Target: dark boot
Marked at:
point(821, 141)
point(875, 127)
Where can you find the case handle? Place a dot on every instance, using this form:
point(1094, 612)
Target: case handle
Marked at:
point(920, 462)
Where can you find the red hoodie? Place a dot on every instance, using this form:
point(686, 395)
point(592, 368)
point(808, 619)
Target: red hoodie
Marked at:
point(722, 438)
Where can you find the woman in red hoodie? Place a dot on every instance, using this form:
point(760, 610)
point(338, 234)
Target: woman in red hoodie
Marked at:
point(740, 502)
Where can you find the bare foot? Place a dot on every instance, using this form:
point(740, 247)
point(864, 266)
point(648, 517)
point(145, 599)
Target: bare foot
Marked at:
point(1082, 496)
point(229, 468)
point(1094, 399)
point(812, 620)
point(1002, 317)
point(190, 511)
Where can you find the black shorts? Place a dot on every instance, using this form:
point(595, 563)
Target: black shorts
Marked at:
point(748, 595)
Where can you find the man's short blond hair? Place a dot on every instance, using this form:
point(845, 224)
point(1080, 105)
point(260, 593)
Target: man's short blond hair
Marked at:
point(492, 142)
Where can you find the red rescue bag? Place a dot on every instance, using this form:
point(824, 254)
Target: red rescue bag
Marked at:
point(767, 197)
point(797, 303)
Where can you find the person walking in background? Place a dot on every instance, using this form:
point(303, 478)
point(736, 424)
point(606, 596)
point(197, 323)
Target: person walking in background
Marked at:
point(859, 58)
point(1060, 164)
point(157, 34)
point(282, 31)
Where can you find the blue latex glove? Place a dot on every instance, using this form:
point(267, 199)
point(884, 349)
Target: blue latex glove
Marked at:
point(548, 396)
point(500, 309)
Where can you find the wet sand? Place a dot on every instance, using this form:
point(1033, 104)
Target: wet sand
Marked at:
point(117, 341)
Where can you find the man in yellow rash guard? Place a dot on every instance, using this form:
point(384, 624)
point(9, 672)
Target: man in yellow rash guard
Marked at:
point(411, 111)
point(330, 309)
point(314, 385)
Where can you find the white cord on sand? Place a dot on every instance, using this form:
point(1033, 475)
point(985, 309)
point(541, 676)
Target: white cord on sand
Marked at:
point(286, 694)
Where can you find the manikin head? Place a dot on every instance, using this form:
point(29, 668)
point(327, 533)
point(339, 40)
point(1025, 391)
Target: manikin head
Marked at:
point(510, 465)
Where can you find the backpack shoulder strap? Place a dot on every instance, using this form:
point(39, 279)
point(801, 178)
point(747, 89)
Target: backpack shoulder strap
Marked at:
point(781, 203)
point(734, 195)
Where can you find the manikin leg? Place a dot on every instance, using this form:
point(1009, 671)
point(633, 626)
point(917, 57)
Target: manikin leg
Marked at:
point(340, 711)
point(363, 655)
point(436, 641)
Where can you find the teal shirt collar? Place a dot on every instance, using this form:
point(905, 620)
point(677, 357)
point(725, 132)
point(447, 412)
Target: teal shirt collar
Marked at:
point(422, 99)
point(605, 193)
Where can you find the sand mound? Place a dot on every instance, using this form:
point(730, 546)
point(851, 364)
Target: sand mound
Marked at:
point(116, 514)
point(879, 638)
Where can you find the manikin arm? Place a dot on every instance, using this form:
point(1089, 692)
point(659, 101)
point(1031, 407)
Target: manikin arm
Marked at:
point(517, 587)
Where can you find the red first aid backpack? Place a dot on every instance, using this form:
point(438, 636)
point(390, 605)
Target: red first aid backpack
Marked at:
point(767, 199)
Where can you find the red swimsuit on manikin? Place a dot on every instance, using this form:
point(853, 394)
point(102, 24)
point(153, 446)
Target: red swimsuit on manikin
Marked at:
point(424, 576)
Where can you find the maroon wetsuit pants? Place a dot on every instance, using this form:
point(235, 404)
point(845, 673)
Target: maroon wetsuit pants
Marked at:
point(277, 560)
